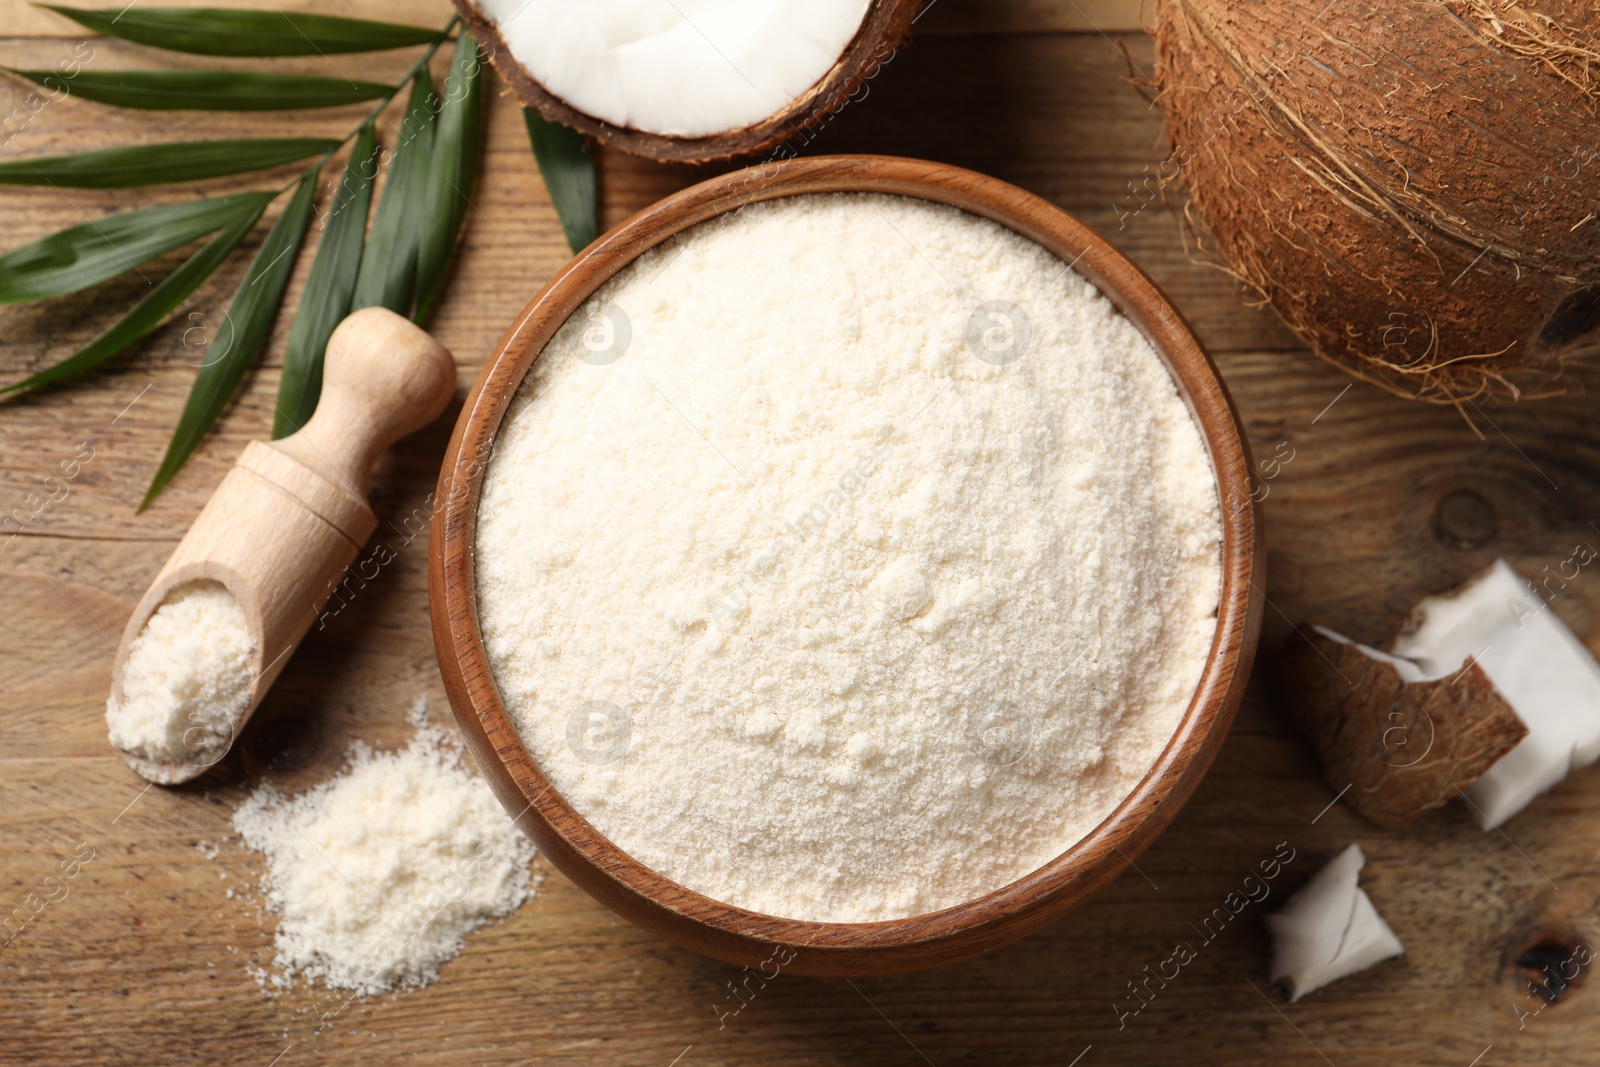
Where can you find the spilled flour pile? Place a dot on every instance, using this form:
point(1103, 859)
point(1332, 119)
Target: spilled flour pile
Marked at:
point(378, 875)
point(847, 557)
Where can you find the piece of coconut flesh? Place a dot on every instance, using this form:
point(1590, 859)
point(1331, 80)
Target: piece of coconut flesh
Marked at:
point(1541, 669)
point(683, 68)
point(1329, 929)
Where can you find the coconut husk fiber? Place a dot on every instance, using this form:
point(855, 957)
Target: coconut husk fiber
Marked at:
point(1411, 184)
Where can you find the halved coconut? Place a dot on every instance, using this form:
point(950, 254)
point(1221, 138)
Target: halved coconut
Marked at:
point(689, 81)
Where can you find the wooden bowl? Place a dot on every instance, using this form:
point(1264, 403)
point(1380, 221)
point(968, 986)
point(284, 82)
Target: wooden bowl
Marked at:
point(883, 30)
point(744, 937)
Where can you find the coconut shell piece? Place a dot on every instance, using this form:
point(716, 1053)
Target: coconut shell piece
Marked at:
point(885, 28)
point(1403, 748)
point(1536, 663)
point(1409, 183)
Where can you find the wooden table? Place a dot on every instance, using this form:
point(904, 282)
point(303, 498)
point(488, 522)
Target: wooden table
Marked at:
point(145, 958)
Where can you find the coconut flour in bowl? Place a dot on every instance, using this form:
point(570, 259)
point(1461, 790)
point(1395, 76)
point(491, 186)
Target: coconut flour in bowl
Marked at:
point(847, 557)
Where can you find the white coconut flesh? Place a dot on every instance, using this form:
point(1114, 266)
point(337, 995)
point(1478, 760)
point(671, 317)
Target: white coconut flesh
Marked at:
point(1543, 671)
point(1537, 665)
point(1329, 929)
point(681, 68)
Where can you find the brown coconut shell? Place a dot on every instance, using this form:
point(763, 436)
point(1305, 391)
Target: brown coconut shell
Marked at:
point(884, 29)
point(1411, 184)
point(1394, 749)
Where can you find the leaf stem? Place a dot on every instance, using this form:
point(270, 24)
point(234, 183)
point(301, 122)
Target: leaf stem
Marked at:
point(383, 101)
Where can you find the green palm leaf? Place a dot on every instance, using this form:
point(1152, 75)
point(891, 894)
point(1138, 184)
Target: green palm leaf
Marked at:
point(326, 300)
point(80, 256)
point(212, 31)
point(242, 334)
point(567, 167)
point(173, 290)
point(206, 90)
point(389, 267)
point(453, 167)
point(404, 262)
point(155, 164)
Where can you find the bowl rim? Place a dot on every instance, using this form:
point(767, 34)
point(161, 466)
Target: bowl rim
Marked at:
point(726, 931)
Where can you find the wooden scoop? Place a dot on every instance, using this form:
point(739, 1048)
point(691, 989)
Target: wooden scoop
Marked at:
point(292, 514)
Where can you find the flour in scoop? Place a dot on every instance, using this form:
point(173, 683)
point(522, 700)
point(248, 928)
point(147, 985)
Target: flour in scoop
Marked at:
point(378, 875)
point(187, 679)
point(847, 557)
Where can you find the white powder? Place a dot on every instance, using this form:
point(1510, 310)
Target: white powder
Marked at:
point(378, 875)
point(849, 557)
point(187, 679)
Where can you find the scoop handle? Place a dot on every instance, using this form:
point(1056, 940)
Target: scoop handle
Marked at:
point(383, 377)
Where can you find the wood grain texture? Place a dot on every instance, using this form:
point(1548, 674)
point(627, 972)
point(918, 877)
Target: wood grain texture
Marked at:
point(842, 949)
point(1369, 504)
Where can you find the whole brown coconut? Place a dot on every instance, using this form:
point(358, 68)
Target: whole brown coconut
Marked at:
point(884, 29)
point(1412, 184)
